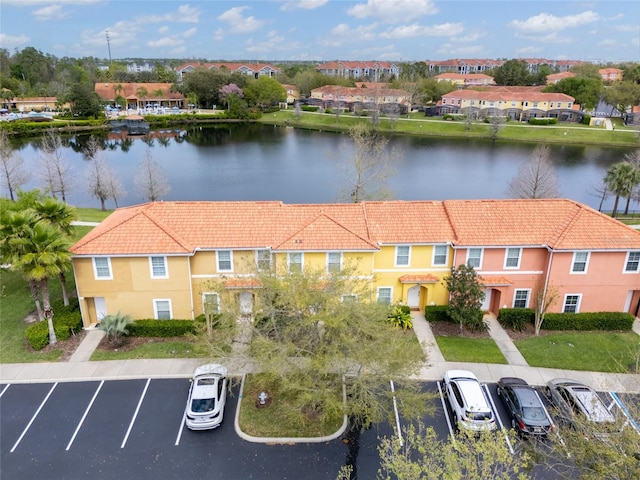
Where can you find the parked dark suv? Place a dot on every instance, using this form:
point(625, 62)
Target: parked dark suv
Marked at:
point(528, 414)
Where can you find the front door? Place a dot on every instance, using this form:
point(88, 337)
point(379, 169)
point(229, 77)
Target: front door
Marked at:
point(101, 307)
point(413, 297)
point(486, 303)
point(246, 303)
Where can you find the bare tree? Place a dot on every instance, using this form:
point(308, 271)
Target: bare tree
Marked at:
point(468, 118)
point(114, 186)
point(54, 173)
point(97, 176)
point(536, 178)
point(545, 297)
point(496, 122)
point(600, 191)
point(13, 174)
point(150, 180)
point(370, 166)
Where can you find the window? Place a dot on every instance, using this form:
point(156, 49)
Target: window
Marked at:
point(568, 104)
point(225, 263)
point(580, 260)
point(211, 303)
point(294, 261)
point(571, 304)
point(512, 259)
point(263, 259)
point(535, 104)
point(440, 254)
point(334, 261)
point(162, 309)
point(474, 257)
point(521, 299)
point(444, 101)
point(632, 264)
point(349, 298)
point(102, 268)
point(384, 295)
point(402, 255)
point(158, 267)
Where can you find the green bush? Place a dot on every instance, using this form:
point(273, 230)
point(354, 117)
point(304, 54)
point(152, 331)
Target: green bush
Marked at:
point(588, 321)
point(437, 313)
point(586, 120)
point(161, 328)
point(516, 318)
point(309, 108)
point(542, 121)
point(66, 321)
point(400, 317)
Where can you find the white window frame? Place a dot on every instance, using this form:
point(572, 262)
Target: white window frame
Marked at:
point(399, 255)
point(164, 265)
point(515, 295)
point(330, 264)
point(259, 260)
point(575, 262)
point(628, 260)
point(435, 254)
point(204, 301)
point(479, 257)
point(289, 262)
point(155, 308)
point(507, 257)
point(390, 294)
point(95, 269)
point(218, 260)
point(349, 297)
point(566, 297)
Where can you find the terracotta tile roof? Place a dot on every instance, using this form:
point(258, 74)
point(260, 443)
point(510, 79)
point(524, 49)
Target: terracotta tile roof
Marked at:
point(494, 281)
point(428, 278)
point(184, 227)
point(107, 91)
point(509, 94)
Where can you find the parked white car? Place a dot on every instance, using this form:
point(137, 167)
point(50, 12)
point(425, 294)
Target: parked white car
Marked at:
point(468, 401)
point(207, 397)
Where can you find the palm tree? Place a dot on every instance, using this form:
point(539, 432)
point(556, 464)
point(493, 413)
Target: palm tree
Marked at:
point(621, 178)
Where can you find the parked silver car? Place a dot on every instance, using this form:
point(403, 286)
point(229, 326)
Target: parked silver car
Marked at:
point(468, 401)
point(207, 397)
point(574, 400)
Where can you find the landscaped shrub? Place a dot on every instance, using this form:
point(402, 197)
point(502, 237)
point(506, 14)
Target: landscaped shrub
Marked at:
point(66, 321)
point(586, 120)
point(516, 318)
point(588, 321)
point(161, 328)
point(400, 317)
point(437, 313)
point(542, 121)
point(309, 108)
point(115, 327)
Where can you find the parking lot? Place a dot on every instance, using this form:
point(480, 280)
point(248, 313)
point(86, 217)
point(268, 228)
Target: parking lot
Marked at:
point(99, 429)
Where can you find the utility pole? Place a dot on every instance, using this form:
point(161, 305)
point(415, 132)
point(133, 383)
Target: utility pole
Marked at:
point(108, 45)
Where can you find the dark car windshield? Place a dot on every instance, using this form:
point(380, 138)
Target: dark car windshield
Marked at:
point(533, 413)
point(202, 405)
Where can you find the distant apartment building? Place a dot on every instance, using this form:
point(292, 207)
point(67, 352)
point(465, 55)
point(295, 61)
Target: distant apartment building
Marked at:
point(556, 77)
point(478, 65)
point(255, 70)
point(517, 103)
point(466, 79)
point(373, 70)
point(387, 100)
point(610, 74)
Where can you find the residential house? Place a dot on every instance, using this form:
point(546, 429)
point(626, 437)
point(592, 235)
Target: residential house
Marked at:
point(517, 103)
point(610, 74)
point(167, 259)
point(293, 93)
point(254, 70)
point(476, 65)
point(556, 77)
point(373, 70)
point(376, 95)
point(139, 95)
point(466, 79)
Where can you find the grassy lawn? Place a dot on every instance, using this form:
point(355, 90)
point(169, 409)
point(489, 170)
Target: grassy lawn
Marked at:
point(591, 351)
point(276, 419)
point(153, 349)
point(92, 214)
point(475, 350)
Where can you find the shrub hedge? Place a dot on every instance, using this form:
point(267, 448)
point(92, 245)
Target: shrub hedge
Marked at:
point(437, 313)
point(588, 321)
point(161, 328)
point(66, 321)
point(516, 318)
point(309, 108)
point(542, 121)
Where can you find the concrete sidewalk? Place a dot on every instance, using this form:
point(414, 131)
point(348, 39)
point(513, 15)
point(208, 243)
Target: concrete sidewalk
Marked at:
point(79, 368)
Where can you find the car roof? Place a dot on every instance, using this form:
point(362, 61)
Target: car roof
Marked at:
point(526, 395)
point(592, 404)
point(458, 374)
point(472, 392)
point(210, 369)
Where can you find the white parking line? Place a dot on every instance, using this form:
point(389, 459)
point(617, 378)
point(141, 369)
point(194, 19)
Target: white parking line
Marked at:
point(446, 414)
point(395, 409)
point(86, 412)
point(24, 432)
point(135, 414)
point(4, 389)
point(498, 419)
point(184, 419)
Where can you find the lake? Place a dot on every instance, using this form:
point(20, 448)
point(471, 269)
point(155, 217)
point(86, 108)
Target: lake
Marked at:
point(257, 162)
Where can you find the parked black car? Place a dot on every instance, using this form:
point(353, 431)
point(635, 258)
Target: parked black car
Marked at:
point(528, 414)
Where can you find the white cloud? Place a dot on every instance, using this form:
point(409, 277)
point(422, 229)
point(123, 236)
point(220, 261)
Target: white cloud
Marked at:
point(163, 30)
point(184, 14)
point(545, 22)
point(10, 42)
point(529, 51)
point(303, 4)
point(344, 34)
point(548, 38)
point(635, 42)
point(457, 50)
point(393, 11)
point(273, 42)
point(238, 23)
point(218, 35)
point(415, 30)
point(172, 40)
point(31, 3)
point(607, 42)
point(628, 28)
point(50, 13)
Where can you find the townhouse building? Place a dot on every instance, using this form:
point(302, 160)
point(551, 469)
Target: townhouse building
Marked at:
point(517, 103)
point(477, 65)
point(254, 70)
point(610, 74)
point(139, 95)
point(371, 70)
point(466, 79)
point(168, 259)
point(367, 96)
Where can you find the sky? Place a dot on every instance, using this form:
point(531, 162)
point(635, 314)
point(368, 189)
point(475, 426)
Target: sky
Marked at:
point(325, 30)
